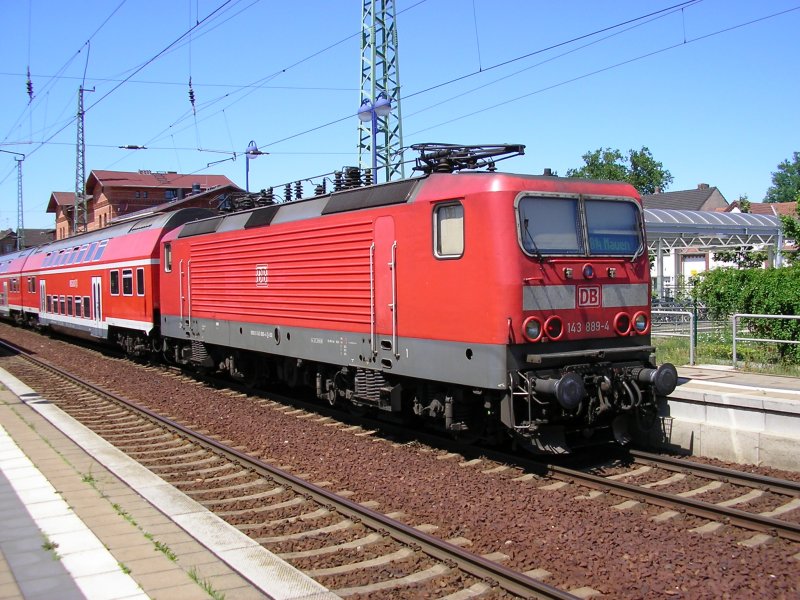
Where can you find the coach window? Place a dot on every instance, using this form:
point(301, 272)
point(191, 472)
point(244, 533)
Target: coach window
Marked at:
point(101, 247)
point(77, 306)
point(69, 305)
point(448, 227)
point(90, 252)
point(167, 258)
point(49, 304)
point(127, 282)
point(81, 253)
point(140, 281)
point(63, 302)
point(114, 282)
point(87, 308)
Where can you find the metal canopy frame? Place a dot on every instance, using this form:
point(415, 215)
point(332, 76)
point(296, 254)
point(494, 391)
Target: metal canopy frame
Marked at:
point(703, 230)
point(709, 230)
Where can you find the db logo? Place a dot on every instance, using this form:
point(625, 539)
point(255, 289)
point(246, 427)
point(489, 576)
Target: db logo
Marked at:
point(261, 275)
point(589, 295)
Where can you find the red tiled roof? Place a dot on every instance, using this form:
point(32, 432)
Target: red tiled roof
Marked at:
point(154, 179)
point(60, 199)
point(774, 208)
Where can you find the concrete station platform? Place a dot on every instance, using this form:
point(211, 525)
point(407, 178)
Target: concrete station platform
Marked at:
point(736, 416)
point(79, 519)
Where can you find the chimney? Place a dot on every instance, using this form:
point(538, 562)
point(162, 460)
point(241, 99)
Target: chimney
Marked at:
point(702, 186)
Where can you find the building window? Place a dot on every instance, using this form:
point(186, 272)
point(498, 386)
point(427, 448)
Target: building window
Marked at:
point(137, 194)
point(140, 281)
point(114, 282)
point(144, 194)
point(127, 282)
point(448, 220)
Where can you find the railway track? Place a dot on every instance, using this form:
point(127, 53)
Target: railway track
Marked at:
point(724, 512)
point(350, 548)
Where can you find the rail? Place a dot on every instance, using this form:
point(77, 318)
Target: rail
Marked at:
point(692, 335)
point(736, 338)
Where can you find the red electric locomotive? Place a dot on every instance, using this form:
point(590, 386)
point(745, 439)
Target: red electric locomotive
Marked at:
point(483, 303)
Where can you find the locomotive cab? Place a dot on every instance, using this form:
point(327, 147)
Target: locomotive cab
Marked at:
point(585, 366)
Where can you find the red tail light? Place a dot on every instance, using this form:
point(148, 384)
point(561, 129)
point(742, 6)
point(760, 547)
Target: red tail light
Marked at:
point(554, 327)
point(622, 323)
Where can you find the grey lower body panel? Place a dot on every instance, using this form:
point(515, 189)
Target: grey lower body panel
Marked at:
point(472, 365)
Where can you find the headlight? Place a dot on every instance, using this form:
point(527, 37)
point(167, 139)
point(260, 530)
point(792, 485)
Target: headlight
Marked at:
point(641, 323)
point(588, 271)
point(532, 329)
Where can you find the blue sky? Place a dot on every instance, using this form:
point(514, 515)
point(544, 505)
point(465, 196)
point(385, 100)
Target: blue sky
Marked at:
point(712, 95)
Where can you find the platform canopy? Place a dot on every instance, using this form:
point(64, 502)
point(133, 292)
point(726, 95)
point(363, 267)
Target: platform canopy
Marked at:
point(707, 230)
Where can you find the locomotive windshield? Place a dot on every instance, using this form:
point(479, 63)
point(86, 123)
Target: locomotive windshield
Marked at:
point(583, 227)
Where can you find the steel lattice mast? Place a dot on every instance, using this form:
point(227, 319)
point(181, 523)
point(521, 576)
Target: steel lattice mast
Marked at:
point(80, 210)
point(20, 219)
point(380, 73)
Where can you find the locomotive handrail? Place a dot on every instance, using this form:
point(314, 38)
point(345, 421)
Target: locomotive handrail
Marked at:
point(189, 291)
point(372, 299)
point(735, 318)
point(393, 267)
point(180, 288)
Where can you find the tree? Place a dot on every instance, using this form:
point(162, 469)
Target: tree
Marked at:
point(744, 257)
point(785, 181)
point(791, 232)
point(639, 169)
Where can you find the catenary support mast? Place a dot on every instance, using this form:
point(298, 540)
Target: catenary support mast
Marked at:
point(380, 74)
point(80, 212)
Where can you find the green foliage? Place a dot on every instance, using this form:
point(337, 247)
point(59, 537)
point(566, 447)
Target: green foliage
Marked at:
point(791, 232)
point(639, 169)
point(785, 181)
point(756, 291)
point(743, 258)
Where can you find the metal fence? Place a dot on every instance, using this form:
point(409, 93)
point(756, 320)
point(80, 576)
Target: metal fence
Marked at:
point(671, 323)
point(736, 338)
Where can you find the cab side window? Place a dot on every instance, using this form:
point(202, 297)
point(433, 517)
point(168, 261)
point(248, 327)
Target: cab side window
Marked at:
point(448, 230)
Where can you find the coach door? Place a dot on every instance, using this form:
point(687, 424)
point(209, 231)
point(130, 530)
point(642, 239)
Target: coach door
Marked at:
point(42, 296)
point(384, 298)
point(97, 306)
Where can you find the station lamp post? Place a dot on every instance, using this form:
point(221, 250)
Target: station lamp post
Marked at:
point(251, 153)
point(370, 111)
